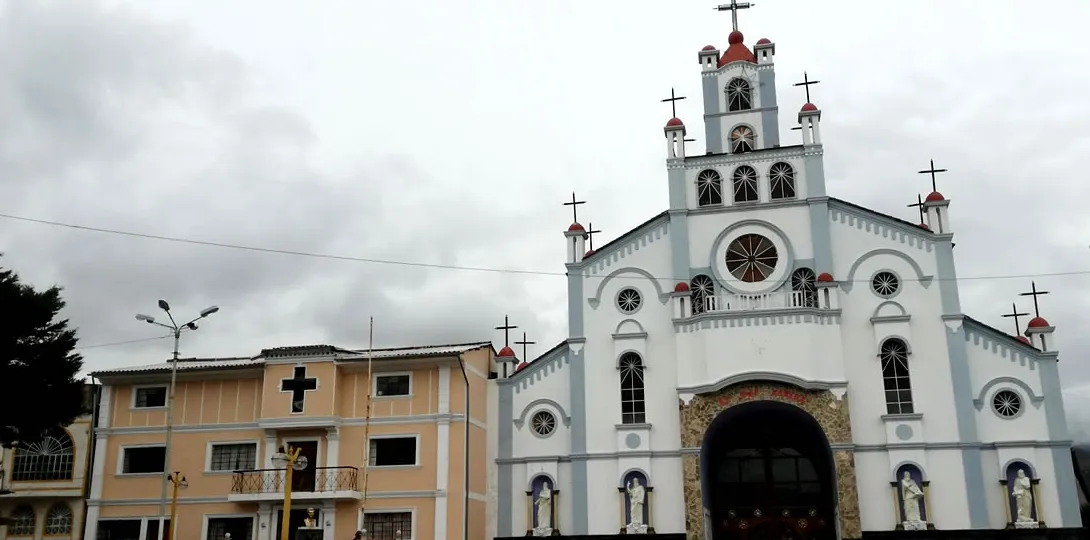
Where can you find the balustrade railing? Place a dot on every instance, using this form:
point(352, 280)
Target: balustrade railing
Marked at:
point(765, 301)
point(321, 479)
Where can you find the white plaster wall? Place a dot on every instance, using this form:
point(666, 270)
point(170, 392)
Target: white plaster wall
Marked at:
point(602, 484)
point(669, 496)
point(1048, 497)
point(993, 493)
point(872, 482)
point(549, 384)
point(949, 500)
point(704, 229)
point(491, 490)
point(762, 162)
point(990, 359)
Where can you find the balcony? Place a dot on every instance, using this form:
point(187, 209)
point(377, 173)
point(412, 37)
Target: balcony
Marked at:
point(311, 484)
point(725, 303)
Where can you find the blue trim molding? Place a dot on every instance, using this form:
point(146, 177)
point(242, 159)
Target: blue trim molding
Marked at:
point(664, 296)
point(575, 302)
point(580, 497)
point(679, 247)
point(925, 281)
point(713, 134)
point(1056, 420)
point(505, 470)
point(770, 115)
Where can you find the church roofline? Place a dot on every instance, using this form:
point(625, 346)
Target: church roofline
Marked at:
point(909, 227)
point(534, 365)
point(625, 237)
point(999, 334)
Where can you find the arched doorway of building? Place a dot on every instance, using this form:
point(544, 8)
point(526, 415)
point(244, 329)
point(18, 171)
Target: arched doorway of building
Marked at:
point(767, 473)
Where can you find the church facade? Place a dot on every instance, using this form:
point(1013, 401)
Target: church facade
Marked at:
point(762, 358)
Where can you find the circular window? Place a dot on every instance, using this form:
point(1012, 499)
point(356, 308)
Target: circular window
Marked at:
point(1006, 403)
point(885, 284)
point(752, 258)
point(543, 423)
point(629, 300)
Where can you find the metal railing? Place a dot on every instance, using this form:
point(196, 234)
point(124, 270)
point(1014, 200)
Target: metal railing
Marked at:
point(754, 302)
point(318, 480)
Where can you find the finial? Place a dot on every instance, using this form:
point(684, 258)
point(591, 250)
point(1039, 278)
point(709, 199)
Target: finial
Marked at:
point(574, 204)
point(932, 172)
point(733, 8)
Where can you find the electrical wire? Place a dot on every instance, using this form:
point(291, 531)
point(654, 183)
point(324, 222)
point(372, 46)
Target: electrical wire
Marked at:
point(115, 343)
point(226, 245)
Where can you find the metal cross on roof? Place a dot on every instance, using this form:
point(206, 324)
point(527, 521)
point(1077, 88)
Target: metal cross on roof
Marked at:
point(673, 99)
point(574, 204)
point(590, 234)
point(1014, 313)
point(806, 82)
point(733, 8)
point(932, 172)
point(507, 326)
point(919, 205)
point(1034, 293)
point(524, 343)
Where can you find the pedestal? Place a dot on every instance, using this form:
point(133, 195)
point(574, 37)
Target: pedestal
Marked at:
point(914, 525)
point(543, 531)
point(1026, 525)
point(634, 528)
point(309, 533)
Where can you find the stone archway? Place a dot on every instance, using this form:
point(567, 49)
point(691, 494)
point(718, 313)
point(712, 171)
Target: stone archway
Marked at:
point(823, 406)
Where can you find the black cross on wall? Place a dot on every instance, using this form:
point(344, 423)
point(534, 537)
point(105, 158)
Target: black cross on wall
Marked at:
point(298, 385)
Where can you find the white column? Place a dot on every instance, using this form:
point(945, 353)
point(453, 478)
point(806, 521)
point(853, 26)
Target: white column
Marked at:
point(332, 447)
point(329, 520)
point(442, 454)
point(444, 390)
point(266, 525)
point(270, 449)
point(99, 466)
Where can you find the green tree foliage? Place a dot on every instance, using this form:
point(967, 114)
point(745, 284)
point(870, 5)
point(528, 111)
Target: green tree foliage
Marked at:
point(39, 388)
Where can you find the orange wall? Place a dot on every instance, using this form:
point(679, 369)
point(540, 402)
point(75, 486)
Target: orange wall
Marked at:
point(319, 402)
point(197, 403)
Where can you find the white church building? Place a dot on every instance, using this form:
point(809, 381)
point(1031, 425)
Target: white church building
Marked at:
point(765, 359)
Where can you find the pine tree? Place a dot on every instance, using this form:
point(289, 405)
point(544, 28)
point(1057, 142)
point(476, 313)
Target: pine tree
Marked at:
point(40, 390)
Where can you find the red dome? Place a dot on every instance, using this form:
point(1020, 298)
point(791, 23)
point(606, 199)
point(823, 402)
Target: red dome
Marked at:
point(506, 352)
point(1024, 339)
point(925, 226)
point(708, 48)
point(674, 122)
point(521, 367)
point(935, 196)
point(576, 227)
point(735, 38)
point(809, 107)
point(825, 277)
point(1037, 322)
point(681, 287)
point(764, 41)
point(588, 253)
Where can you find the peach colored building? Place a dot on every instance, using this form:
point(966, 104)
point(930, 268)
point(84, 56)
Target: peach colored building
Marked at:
point(42, 484)
point(232, 414)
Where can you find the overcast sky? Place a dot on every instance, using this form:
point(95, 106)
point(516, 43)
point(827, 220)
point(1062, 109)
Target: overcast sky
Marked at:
point(450, 132)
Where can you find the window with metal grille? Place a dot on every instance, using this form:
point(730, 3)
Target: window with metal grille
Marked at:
point(59, 519)
point(152, 396)
point(144, 460)
point(392, 385)
point(120, 529)
point(633, 410)
point(386, 452)
point(22, 521)
point(48, 459)
point(233, 457)
point(739, 95)
point(894, 357)
point(241, 528)
point(386, 525)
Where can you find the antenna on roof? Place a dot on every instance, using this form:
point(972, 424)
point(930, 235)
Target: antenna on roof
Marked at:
point(367, 426)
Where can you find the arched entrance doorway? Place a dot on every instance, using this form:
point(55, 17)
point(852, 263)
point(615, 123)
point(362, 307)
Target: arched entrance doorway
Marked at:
point(767, 473)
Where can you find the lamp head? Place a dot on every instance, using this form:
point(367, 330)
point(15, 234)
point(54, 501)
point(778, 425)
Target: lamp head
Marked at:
point(146, 318)
point(209, 310)
point(300, 463)
point(163, 305)
point(192, 326)
point(280, 459)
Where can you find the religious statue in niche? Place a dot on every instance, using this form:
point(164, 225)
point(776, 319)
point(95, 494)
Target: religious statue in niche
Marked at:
point(912, 497)
point(1022, 496)
point(635, 494)
point(543, 509)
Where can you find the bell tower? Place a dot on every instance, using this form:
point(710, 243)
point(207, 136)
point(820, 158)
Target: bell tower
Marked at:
point(739, 87)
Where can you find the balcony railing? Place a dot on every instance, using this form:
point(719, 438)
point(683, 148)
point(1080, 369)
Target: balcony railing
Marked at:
point(755, 302)
point(318, 480)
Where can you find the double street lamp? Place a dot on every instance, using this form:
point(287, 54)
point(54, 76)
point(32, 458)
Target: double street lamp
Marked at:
point(179, 482)
point(175, 329)
point(288, 458)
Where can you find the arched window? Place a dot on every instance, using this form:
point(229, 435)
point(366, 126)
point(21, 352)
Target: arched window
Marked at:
point(22, 521)
point(702, 293)
point(804, 285)
point(781, 176)
point(59, 519)
point(894, 356)
point(739, 95)
point(48, 459)
point(745, 184)
point(709, 188)
point(742, 139)
point(632, 405)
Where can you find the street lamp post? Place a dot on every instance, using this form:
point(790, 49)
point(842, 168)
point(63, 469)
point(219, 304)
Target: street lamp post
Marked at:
point(179, 482)
point(176, 330)
point(288, 458)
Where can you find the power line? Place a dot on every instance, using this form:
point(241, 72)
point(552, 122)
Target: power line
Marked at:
point(450, 266)
point(115, 343)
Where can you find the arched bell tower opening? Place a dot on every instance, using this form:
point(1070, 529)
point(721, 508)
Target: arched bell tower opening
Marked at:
point(767, 472)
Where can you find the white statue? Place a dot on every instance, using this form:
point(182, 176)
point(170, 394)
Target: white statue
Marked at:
point(912, 496)
point(544, 504)
point(636, 497)
point(1023, 498)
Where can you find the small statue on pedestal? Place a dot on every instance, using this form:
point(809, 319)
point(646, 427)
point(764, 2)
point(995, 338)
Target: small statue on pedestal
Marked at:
point(310, 529)
point(912, 497)
point(544, 511)
point(636, 496)
point(1023, 501)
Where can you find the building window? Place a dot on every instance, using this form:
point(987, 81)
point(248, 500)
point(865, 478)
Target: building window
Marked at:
point(58, 520)
point(48, 459)
point(388, 525)
point(22, 521)
point(152, 396)
point(752, 258)
point(543, 423)
point(120, 529)
point(143, 460)
point(392, 451)
point(703, 293)
point(804, 285)
point(739, 95)
point(393, 385)
point(885, 284)
point(628, 300)
point(709, 188)
point(742, 139)
point(894, 356)
point(1006, 403)
point(233, 457)
point(633, 410)
point(745, 184)
point(782, 178)
point(240, 528)
point(151, 532)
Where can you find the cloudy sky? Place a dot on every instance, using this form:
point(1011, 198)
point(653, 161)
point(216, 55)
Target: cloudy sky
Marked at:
point(448, 133)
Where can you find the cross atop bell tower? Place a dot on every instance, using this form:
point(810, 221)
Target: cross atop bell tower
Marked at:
point(733, 8)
